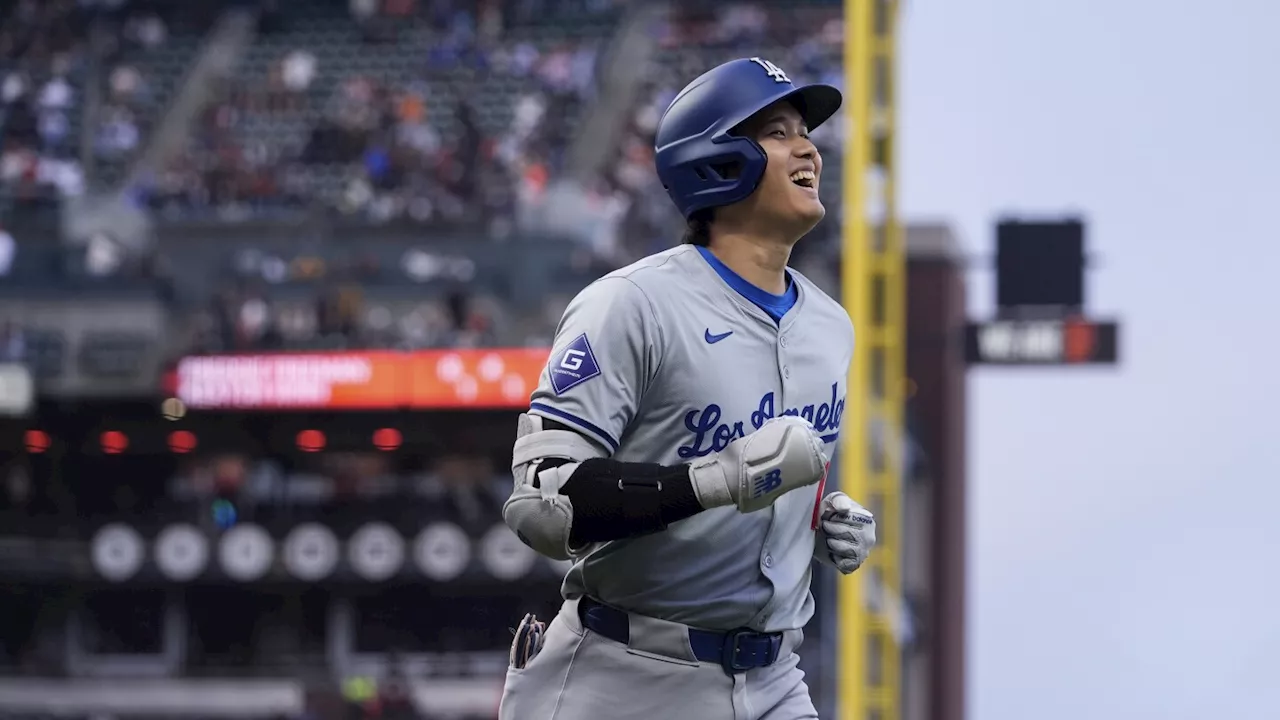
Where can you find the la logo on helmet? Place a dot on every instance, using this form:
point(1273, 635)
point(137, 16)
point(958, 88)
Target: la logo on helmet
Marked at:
point(774, 71)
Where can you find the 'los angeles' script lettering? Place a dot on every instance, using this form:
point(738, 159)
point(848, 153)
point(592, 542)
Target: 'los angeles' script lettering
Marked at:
point(710, 435)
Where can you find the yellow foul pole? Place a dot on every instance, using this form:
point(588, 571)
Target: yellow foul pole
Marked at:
point(873, 270)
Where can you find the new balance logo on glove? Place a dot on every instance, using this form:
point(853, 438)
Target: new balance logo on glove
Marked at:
point(766, 483)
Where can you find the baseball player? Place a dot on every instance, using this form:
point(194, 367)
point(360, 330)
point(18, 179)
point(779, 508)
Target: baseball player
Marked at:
point(675, 445)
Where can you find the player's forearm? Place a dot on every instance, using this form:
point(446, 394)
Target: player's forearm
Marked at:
point(614, 500)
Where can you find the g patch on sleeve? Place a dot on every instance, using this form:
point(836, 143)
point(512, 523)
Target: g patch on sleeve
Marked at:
point(573, 365)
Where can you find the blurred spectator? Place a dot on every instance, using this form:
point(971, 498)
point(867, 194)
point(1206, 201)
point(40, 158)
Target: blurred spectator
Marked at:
point(299, 70)
point(8, 248)
point(399, 9)
point(118, 133)
point(103, 255)
point(362, 11)
point(147, 30)
point(13, 342)
point(14, 87)
point(369, 24)
point(17, 487)
point(125, 84)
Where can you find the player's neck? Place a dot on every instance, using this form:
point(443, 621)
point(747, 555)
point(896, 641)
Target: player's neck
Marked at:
point(761, 262)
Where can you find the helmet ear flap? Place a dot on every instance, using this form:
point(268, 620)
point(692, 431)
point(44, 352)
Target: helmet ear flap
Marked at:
point(711, 180)
point(749, 165)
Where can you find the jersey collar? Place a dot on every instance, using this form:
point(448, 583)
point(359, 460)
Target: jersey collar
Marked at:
point(744, 293)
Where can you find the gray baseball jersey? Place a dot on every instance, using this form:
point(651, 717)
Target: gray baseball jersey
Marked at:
point(663, 362)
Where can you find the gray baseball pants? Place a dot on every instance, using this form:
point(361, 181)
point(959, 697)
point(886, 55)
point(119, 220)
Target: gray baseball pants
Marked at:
point(579, 675)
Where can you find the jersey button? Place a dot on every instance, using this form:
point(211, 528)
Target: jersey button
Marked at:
point(782, 341)
point(786, 371)
point(768, 561)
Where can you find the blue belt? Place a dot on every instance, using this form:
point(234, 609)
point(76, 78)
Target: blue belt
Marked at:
point(736, 650)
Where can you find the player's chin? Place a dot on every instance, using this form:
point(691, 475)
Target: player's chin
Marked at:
point(810, 209)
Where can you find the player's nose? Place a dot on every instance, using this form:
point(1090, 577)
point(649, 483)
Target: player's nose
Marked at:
point(806, 153)
point(804, 149)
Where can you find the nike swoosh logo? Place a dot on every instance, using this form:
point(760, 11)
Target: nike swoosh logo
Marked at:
point(713, 339)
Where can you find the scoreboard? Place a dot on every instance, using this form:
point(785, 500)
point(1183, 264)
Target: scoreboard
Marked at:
point(1041, 317)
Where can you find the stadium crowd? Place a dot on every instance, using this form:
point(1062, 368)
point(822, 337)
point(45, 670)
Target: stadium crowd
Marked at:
point(414, 136)
point(42, 62)
point(441, 114)
point(303, 123)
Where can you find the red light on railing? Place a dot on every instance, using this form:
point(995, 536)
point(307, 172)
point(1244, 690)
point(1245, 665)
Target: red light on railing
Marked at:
point(182, 441)
point(311, 441)
point(37, 441)
point(387, 439)
point(114, 442)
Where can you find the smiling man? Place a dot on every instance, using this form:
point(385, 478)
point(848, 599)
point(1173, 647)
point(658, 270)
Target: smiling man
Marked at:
point(690, 405)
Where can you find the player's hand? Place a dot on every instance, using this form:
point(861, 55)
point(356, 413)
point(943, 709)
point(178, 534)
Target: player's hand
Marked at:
point(846, 535)
point(753, 471)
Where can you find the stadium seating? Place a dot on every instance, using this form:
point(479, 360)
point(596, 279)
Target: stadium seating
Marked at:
point(444, 119)
point(399, 109)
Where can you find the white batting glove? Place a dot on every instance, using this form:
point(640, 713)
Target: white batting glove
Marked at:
point(785, 453)
point(846, 535)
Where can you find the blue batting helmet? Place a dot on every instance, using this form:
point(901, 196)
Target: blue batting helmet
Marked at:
point(699, 162)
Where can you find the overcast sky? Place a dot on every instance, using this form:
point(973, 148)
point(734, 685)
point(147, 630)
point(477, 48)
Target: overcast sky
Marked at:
point(1123, 523)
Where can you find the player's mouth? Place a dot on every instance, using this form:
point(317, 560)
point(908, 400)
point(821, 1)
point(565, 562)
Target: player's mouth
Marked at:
point(807, 179)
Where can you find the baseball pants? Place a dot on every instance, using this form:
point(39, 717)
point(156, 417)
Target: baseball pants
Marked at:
point(580, 675)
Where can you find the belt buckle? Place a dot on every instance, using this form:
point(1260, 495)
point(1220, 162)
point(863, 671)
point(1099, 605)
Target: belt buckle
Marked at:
point(729, 651)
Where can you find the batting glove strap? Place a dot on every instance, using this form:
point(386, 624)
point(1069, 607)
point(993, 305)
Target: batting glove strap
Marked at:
point(710, 483)
point(846, 535)
point(753, 471)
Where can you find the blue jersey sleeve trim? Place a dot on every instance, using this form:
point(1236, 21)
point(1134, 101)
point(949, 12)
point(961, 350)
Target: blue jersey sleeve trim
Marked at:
point(577, 422)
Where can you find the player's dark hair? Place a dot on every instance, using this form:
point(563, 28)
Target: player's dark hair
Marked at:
point(698, 230)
